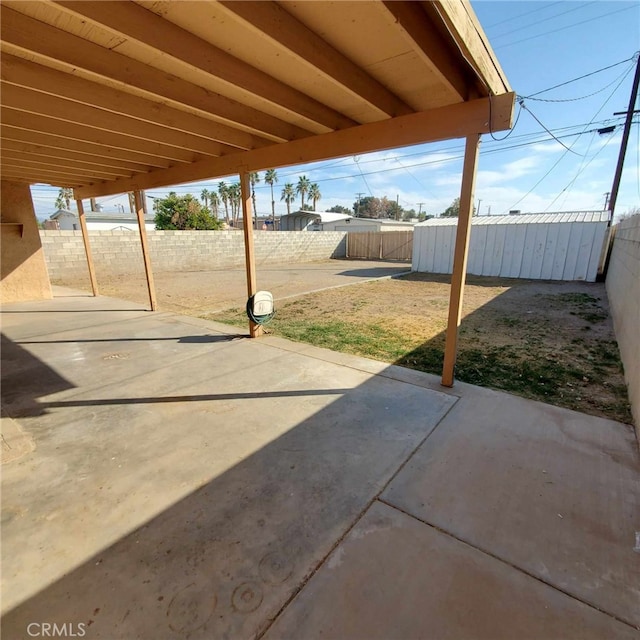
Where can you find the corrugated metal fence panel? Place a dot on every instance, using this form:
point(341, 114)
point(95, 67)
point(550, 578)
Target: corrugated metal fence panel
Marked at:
point(529, 247)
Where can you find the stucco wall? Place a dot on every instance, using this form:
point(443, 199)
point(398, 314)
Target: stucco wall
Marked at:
point(120, 252)
point(623, 289)
point(23, 271)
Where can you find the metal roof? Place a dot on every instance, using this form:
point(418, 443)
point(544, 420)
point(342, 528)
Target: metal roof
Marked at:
point(524, 218)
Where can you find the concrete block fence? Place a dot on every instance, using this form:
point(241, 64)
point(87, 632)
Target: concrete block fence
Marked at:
point(623, 291)
point(119, 252)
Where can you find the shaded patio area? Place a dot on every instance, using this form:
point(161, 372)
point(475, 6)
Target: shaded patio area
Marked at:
point(169, 478)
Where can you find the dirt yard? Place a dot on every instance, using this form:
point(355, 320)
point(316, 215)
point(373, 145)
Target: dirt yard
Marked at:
point(548, 341)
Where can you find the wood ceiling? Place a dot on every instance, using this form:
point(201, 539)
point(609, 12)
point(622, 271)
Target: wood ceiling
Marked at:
point(107, 97)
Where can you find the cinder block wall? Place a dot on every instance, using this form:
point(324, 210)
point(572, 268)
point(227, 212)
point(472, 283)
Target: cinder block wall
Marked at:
point(623, 290)
point(119, 252)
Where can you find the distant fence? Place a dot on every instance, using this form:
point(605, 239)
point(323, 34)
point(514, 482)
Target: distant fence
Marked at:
point(623, 291)
point(390, 245)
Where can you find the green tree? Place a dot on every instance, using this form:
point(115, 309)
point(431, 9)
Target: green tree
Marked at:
point(235, 200)
point(183, 212)
point(453, 210)
point(288, 194)
point(340, 209)
point(215, 203)
point(63, 201)
point(254, 178)
point(302, 188)
point(270, 178)
point(314, 194)
point(204, 196)
point(223, 191)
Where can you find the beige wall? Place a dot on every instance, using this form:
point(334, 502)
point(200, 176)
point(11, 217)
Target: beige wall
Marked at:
point(23, 271)
point(623, 289)
point(119, 252)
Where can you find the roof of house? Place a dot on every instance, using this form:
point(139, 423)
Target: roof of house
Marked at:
point(111, 97)
point(61, 213)
point(524, 218)
point(323, 216)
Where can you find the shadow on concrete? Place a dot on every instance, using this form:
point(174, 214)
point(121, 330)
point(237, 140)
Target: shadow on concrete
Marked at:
point(376, 272)
point(26, 378)
point(152, 558)
point(203, 339)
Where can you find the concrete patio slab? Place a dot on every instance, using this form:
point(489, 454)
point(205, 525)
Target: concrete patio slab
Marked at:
point(396, 577)
point(551, 491)
point(231, 472)
point(178, 481)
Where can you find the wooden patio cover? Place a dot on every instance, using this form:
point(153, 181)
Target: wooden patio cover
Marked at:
point(112, 97)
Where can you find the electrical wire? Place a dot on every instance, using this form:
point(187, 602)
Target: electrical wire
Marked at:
point(522, 15)
point(569, 26)
point(355, 159)
point(533, 115)
point(565, 153)
point(586, 75)
point(533, 24)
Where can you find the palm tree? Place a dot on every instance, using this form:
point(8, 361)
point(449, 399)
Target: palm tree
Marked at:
point(215, 203)
point(314, 194)
point(235, 198)
point(270, 178)
point(254, 178)
point(301, 189)
point(223, 190)
point(288, 194)
point(63, 201)
point(204, 196)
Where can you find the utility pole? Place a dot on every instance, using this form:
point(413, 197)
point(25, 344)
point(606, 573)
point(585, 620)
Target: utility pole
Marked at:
point(625, 140)
point(420, 207)
point(358, 195)
point(606, 200)
point(397, 207)
point(478, 211)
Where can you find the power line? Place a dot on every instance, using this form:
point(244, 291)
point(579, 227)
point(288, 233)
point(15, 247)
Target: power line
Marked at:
point(569, 26)
point(533, 24)
point(522, 15)
point(524, 106)
point(586, 75)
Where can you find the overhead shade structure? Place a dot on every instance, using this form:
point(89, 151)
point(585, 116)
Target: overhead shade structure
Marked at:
point(115, 97)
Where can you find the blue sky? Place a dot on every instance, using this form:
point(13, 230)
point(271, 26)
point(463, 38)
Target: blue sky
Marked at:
point(539, 45)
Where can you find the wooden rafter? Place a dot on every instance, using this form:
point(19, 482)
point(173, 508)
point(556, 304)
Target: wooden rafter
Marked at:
point(39, 160)
point(51, 106)
point(66, 144)
point(45, 40)
point(272, 20)
point(136, 22)
point(21, 72)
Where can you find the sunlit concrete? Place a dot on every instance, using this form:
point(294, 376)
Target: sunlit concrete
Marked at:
point(178, 480)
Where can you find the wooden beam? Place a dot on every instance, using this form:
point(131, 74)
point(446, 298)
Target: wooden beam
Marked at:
point(454, 121)
point(150, 29)
point(48, 41)
point(35, 151)
point(68, 85)
point(87, 248)
point(463, 27)
point(461, 252)
point(430, 45)
point(25, 99)
point(94, 150)
point(55, 126)
point(31, 178)
point(271, 19)
point(255, 330)
point(39, 161)
point(139, 206)
point(81, 176)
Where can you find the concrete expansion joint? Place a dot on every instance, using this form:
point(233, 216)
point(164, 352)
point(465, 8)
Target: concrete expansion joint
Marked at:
point(488, 553)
